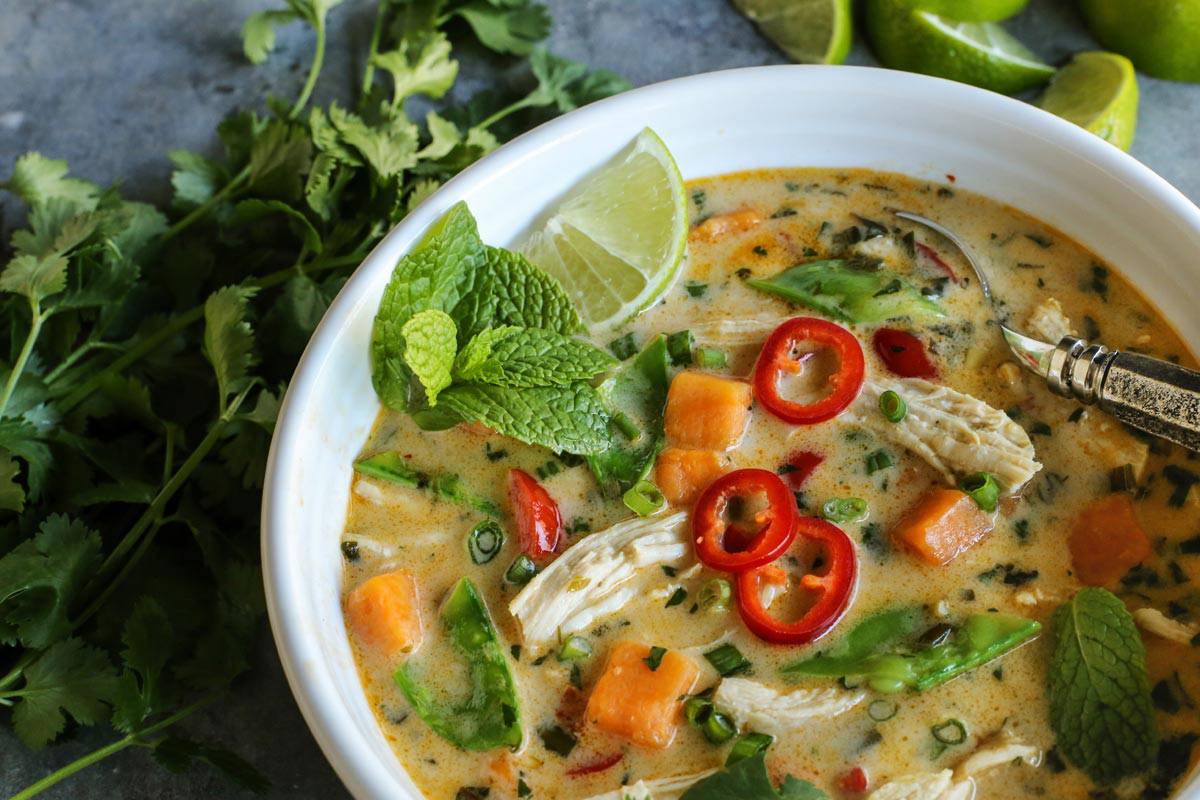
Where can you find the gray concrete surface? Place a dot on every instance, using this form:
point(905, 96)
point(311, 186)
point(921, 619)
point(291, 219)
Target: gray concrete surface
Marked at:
point(110, 85)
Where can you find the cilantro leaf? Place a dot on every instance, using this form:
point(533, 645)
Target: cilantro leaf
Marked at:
point(748, 780)
point(389, 147)
point(69, 677)
point(12, 496)
point(443, 137)
point(35, 277)
point(22, 439)
point(195, 178)
point(432, 73)
point(279, 154)
point(177, 754)
point(507, 27)
point(258, 33)
point(508, 290)
point(1100, 706)
point(429, 345)
point(526, 357)
point(252, 210)
point(37, 180)
point(147, 648)
point(228, 340)
point(562, 418)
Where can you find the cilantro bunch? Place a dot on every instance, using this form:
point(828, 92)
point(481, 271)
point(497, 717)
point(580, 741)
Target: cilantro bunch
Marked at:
point(146, 352)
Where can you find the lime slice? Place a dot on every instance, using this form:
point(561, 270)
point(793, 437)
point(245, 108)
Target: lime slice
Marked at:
point(979, 53)
point(1099, 92)
point(972, 10)
point(1161, 37)
point(617, 241)
point(809, 31)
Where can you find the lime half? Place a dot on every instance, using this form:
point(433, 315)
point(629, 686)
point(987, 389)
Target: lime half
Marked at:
point(809, 31)
point(1099, 92)
point(1162, 37)
point(617, 241)
point(979, 53)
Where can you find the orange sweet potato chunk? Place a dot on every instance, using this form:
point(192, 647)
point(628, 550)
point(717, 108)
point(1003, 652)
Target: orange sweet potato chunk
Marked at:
point(682, 474)
point(942, 526)
point(706, 412)
point(639, 704)
point(384, 613)
point(717, 227)
point(1107, 540)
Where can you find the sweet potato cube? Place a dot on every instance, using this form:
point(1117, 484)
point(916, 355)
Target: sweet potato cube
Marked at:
point(384, 613)
point(718, 226)
point(682, 474)
point(942, 526)
point(636, 702)
point(706, 412)
point(1107, 540)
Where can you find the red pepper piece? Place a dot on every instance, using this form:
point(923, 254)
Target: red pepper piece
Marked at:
point(802, 465)
point(599, 765)
point(933, 256)
point(725, 544)
point(539, 524)
point(834, 587)
point(903, 353)
point(778, 357)
point(854, 781)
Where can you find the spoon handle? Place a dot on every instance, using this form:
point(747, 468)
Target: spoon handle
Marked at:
point(1153, 395)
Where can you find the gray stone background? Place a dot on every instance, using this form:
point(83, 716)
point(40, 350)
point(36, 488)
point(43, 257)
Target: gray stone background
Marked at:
point(111, 85)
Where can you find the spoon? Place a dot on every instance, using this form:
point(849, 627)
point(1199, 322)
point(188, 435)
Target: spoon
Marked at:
point(1150, 394)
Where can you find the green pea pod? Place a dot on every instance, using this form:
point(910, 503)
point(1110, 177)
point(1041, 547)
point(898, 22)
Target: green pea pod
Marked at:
point(490, 716)
point(835, 288)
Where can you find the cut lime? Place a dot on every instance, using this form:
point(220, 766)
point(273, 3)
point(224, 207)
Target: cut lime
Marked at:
point(1161, 37)
point(809, 31)
point(972, 10)
point(979, 53)
point(616, 242)
point(1099, 92)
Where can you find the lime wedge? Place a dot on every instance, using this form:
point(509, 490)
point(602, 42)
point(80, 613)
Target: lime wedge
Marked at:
point(979, 53)
point(617, 241)
point(1099, 92)
point(809, 31)
point(1162, 37)
point(972, 10)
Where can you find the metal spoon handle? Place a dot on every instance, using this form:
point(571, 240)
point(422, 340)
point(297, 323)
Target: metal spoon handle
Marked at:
point(1156, 396)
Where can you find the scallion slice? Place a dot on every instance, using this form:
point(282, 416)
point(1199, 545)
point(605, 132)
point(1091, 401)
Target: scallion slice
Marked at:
point(727, 660)
point(748, 745)
point(983, 489)
point(484, 541)
point(880, 459)
point(576, 648)
point(644, 498)
point(521, 571)
point(679, 346)
point(952, 731)
point(715, 595)
point(718, 728)
point(892, 406)
point(882, 710)
point(696, 710)
point(711, 358)
point(844, 509)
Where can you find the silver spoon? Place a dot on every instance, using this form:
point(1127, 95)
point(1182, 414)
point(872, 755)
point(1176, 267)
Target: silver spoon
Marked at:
point(1150, 394)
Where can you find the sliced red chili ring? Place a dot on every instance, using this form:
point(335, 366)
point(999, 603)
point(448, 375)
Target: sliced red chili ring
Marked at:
point(834, 585)
point(599, 765)
point(779, 357)
point(731, 546)
point(903, 353)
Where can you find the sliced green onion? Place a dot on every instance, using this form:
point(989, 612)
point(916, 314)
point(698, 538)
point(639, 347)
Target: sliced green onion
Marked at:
point(892, 406)
point(951, 731)
point(983, 489)
point(711, 358)
point(521, 571)
point(696, 710)
point(644, 498)
point(715, 595)
point(748, 745)
point(844, 509)
point(882, 710)
point(880, 459)
point(679, 346)
point(654, 660)
point(484, 541)
point(1121, 479)
point(624, 347)
point(575, 648)
point(626, 426)
point(727, 660)
point(718, 728)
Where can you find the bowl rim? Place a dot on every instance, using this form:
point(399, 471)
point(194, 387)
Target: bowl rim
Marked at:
point(325, 715)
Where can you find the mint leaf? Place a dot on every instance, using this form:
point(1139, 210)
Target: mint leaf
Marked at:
point(1100, 706)
point(562, 418)
point(431, 73)
point(69, 677)
point(748, 780)
point(429, 345)
point(508, 290)
point(526, 357)
point(639, 391)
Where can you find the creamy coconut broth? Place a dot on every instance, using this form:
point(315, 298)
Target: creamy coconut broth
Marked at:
point(751, 226)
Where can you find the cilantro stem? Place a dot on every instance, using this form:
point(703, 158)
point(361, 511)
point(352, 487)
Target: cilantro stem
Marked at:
point(524, 102)
point(35, 329)
point(96, 756)
point(314, 69)
point(376, 35)
point(76, 354)
point(199, 211)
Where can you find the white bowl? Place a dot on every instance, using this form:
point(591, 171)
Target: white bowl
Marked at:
point(714, 123)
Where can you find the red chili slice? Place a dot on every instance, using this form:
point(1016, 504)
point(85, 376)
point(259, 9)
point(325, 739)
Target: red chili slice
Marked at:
point(834, 585)
point(801, 465)
point(903, 353)
point(854, 781)
point(599, 765)
point(539, 524)
point(933, 256)
point(725, 544)
point(778, 356)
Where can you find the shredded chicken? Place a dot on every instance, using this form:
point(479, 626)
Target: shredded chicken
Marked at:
point(1002, 749)
point(955, 432)
point(959, 783)
point(1048, 322)
point(735, 332)
point(1151, 620)
point(766, 710)
point(597, 577)
point(659, 789)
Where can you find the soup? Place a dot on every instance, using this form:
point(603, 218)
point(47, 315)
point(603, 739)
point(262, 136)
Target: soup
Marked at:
point(856, 575)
